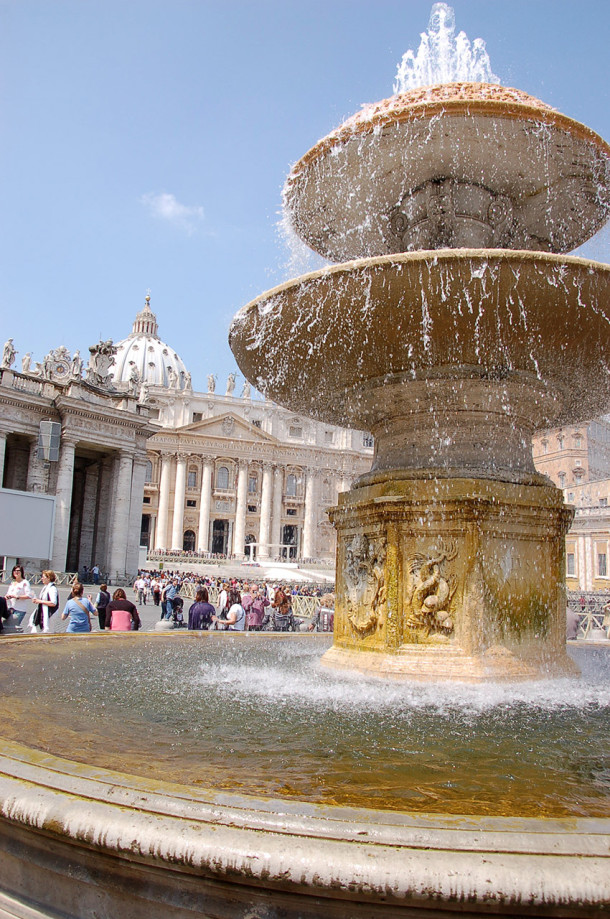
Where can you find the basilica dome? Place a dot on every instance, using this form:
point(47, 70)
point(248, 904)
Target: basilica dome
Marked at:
point(143, 351)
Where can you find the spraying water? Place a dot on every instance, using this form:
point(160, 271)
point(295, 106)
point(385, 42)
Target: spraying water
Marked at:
point(443, 57)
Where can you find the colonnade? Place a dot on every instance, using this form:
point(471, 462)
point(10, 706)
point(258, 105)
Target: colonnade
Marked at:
point(266, 525)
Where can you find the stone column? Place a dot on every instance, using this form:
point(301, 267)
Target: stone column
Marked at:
point(119, 529)
point(239, 537)
point(309, 522)
point(265, 528)
point(161, 541)
point(63, 502)
point(276, 514)
point(179, 495)
point(135, 514)
point(2, 455)
point(205, 502)
point(38, 471)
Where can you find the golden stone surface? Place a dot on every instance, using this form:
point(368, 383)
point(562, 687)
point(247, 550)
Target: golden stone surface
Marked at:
point(461, 579)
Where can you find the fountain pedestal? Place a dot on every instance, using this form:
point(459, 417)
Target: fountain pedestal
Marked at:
point(459, 577)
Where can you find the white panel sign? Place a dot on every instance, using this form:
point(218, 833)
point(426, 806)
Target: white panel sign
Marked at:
point(26, 524)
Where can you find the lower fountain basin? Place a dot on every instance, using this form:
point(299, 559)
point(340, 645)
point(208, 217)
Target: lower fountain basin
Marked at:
point(217, 775)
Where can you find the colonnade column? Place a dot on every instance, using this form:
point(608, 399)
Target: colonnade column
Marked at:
point(163, 518)
point(265, 527)
point(205, 502)
point(135, 513)
point(309, 523)
point(276, 514)
point(179, 495)
point(121, 504)
point(63, 503)
point(2, 455)
point(239, 536)
point(38, 471)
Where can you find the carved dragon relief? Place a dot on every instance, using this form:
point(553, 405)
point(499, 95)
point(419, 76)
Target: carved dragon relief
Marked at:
point(366, 583)
point(431, 589)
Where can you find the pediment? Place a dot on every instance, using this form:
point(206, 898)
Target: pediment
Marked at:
point(229, 427)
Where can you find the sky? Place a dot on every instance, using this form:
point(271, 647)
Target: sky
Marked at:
point(144, 144)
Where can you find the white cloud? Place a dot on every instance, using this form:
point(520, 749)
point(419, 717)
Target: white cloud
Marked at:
point(165, 206)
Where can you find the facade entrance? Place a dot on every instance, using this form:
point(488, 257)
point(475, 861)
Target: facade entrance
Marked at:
point(220, 537)
point(290, 536)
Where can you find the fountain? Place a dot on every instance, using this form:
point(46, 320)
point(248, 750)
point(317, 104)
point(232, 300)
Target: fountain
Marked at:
point(456, 329)
point(235, 775)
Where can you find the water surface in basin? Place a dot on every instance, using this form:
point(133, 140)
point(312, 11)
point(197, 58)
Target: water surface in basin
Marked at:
point(260, 715)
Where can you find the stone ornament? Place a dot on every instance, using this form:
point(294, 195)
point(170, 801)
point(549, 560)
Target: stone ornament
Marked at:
point(365, 582)
point(102, 358)
point(431, 592)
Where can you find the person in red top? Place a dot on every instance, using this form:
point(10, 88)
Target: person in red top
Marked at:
point(121, 614)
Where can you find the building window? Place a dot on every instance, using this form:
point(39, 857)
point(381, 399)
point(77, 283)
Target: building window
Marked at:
point(603, 502)
point(571, 565)
point(560, 440)
point(191, 503)
point(291, 485)
point(295, 430)
point(368, 440)
point(562, 479)
point(148, 473)
point(252, 483)
point(188, 542)
point(291, 511)
point(192, 479)
point(222, 478)
point(197, 416)
point(570, 496)
point(545, 446)
point(329, 437)
point(257, 423)
point(252, 508)
point(602, 568)
point(146, 500)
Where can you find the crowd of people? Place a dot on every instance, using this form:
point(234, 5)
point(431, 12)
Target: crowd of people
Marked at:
point(240, 606)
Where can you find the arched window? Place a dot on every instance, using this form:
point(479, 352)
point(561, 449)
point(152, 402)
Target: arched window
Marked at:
point(222, 478)
point(192, 478)
point(291, 485)
point(560, 440)
point(188, 542)
point(148, 473)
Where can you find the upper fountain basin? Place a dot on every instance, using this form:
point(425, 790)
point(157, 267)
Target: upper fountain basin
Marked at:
point(464, 165)
point(327, 343)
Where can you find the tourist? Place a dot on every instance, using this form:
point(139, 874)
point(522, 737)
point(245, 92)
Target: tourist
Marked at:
point(18, 595)
point(155, 586)
point(78, 610)
point(255, 615)
point(283, 620)
point(324, 620)
point(201, 612)
point(95, 571)
point(121, 614)
point(101, 603)
point(236, 616)
point(139, 588)
point(46, 604)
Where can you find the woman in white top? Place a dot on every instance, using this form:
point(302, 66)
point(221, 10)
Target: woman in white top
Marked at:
point(46, 604)
point(18, 594)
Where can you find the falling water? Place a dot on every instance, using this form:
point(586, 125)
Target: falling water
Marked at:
point(443, 57)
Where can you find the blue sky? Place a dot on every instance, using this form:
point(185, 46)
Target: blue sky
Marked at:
point(144, 143)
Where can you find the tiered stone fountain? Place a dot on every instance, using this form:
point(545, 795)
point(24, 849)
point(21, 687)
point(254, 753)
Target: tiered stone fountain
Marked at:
point(229, 776)
point(459, 329)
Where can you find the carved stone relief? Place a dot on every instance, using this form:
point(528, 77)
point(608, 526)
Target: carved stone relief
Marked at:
point(366, 583)
point(431, 589)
